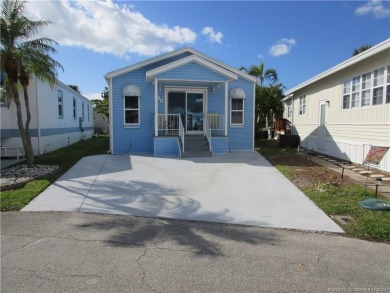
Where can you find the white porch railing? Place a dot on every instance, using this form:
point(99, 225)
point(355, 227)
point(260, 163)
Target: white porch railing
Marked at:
point(168, 124)
point(216, 122)
point(207, 131)
point(181, 131)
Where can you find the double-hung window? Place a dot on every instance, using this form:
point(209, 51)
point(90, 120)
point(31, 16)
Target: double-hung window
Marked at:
point(378, 87)
point(388, 86)
point(302, 105)
point(237, 112)
point(369, 89)
point(289, 112)
point(356, 92)
point(60, 95)
point(82, 111)
point(74, 108)
point(366, 89)
point(131, 110)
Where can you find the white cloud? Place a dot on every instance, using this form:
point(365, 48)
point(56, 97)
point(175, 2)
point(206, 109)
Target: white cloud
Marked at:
point(106, 27)
point(282, 47)
point(213, 36)
point(375, 7)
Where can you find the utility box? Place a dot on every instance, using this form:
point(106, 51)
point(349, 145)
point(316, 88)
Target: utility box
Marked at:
point(289, 140)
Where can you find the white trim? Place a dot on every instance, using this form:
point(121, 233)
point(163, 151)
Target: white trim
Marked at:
point(152, 73)
point(243, 113)
point(177, 52)
point(187, 90)
point(351, 61)
point(124, 112)
point(226, 106)
point(254, 116)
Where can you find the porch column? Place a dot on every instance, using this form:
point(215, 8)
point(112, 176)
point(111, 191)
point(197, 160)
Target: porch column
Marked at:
point(155, 106)
point(226, 106)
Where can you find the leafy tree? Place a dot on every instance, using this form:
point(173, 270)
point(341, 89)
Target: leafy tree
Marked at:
point(75, 87)
point(361, 49)
point(102, 106)
point(21, 57)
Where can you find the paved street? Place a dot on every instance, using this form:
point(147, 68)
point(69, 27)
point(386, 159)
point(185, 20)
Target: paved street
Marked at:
point(88, 252)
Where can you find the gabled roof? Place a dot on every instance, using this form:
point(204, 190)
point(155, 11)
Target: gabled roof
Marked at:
point(364, 55)
point(224, 67)
point(193, 58)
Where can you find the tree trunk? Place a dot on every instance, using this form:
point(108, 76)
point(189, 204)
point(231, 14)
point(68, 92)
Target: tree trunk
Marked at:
point(23, 134)
point(29, 150)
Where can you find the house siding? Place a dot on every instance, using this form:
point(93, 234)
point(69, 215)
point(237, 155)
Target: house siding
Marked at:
point(140, 138)
point(166, 146)
point(241, 137)
point(220, 145)
point(48, 131)
point(349, 132)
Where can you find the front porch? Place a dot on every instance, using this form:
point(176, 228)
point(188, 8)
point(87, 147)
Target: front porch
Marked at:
point(201, 135)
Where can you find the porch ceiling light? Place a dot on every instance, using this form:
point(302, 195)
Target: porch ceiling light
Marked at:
point(237, 93)
point(131, 90)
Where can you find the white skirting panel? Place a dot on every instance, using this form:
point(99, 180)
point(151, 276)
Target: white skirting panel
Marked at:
point(355, 152)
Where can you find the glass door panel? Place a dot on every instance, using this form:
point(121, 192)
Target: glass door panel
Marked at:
point(194, 112)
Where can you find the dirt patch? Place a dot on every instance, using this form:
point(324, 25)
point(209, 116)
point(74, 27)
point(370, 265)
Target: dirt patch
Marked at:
point(306, 173)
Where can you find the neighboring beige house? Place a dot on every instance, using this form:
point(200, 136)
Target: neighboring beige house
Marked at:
point(345, 111)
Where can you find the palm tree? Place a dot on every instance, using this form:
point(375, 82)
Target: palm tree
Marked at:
point(21, 57)
point(268, 98)
point(361, 49)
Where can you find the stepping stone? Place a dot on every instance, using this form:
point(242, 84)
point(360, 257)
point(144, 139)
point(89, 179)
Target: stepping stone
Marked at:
point(350, 167)
point(365, 172)
point(358, 169)
point(385, 178)
point(377, 176)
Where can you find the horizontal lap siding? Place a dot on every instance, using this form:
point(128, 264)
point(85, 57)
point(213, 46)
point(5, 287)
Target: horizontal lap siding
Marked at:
point(220, 145)
point(166, 146)
point(138, 138)
point(192, 71)
point(241, 137)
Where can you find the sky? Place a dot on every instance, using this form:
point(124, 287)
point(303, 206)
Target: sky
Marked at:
point(299, 39)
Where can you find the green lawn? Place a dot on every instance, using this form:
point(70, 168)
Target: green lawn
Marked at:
point(65, 158)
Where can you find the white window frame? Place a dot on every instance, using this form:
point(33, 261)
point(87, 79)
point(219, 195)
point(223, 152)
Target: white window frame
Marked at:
point(289, 112)
point(386, 94)
point(237, 111)
point(377, 83)
point(361, 88)
point(302, 106)
point(132, 109)
point(60, 107)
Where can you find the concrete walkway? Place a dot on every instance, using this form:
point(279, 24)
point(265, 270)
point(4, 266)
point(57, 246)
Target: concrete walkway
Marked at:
point(239, 188)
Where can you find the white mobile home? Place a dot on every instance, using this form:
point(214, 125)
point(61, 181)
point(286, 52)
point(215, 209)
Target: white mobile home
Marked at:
point(345, 111)
point(60, 117)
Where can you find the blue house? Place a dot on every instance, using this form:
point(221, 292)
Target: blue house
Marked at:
point(183, 103)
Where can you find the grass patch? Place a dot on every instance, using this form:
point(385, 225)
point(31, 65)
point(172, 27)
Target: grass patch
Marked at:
point(344, 200)
point(65, 158)
point(14, 200)
point(334, 197)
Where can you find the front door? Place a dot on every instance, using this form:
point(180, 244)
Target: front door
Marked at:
point(321, 141)
point(190, 106)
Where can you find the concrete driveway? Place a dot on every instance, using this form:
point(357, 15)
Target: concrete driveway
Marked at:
point(238, 188)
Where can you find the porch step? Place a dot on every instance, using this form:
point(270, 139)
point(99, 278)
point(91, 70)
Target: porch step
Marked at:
point(196, 146)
